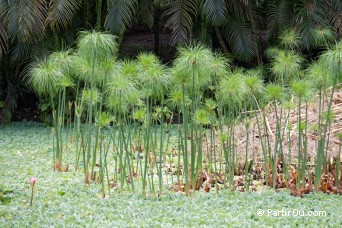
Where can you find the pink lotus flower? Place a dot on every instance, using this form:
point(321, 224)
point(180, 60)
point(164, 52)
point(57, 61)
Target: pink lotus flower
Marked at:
point(33, 181)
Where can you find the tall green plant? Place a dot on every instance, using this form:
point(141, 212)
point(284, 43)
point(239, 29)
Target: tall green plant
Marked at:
point(191, 71)
point(230, 97)
point(154, 81)
point(274, 93)
point(301, 89)
point(94, 47)
point(330, 60)
point(50, 77)
point(121, 95)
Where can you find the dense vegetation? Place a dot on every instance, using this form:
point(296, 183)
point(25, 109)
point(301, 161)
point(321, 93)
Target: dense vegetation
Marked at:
point(244, 29)
point(127, 109)
point(141, 124)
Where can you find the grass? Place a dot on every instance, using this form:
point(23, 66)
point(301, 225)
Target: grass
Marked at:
point(63, 199)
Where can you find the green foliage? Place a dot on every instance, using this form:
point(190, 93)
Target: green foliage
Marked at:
point(201, 86)
point(45, 77)
point(121, 91)
point(120, 15)
point(96, 46)
point(95, 96)
point(103, 119)
point(180, 18)
point(302, 89)
point(323, 36)
point(319, 75)
point(215, 11)
point(290, 39)
point(202, 117)
point(192, 67)
point(273, 92)
point(152, 76)
point(232, 90)
point(127, 209)
point(285, 65)
point(241, 38)
point(254, 83)
point(176, 98)
point(332, 59)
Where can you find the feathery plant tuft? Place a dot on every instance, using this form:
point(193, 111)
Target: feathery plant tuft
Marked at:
point(95, 46)
point(123, 111)
point(290, 39)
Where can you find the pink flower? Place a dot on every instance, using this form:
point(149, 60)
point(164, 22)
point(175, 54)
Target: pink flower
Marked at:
point(33, 181)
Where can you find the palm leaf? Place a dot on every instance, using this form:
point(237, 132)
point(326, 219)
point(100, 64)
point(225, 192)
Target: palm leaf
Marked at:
point(61, 12)
point(240, 38)
point(334, 14)
point(21, 51)
point(215, 11)
point(3, 39)
point(25, 19)
point(145, 13)
point(279, 15)
point(179, 15)
point(244, 8)
point(120, 14)
point(310, 15)
point(238, 6)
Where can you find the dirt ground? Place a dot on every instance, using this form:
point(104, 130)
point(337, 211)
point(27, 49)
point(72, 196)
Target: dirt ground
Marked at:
point(290, 119)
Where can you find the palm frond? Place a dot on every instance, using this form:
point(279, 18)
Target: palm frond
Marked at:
point(120, 14)
point(247, 9)
point(61, 12)
point(3, 39)
point(240, 38)
point(145, 13)
point(25, 20)
point(215, 11)
point(279, 15)
point(21, 51)
point(238, 6)
point(310, 14)
point(179, 15)
point(334, 14)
